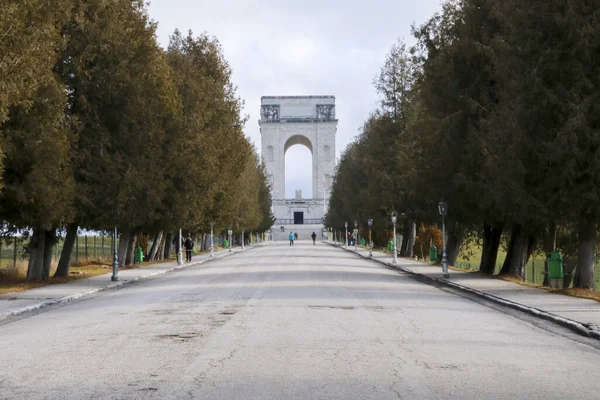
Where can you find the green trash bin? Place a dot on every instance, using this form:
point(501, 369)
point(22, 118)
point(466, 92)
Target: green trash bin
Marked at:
point(555, 265)
point(390, 246)
point(226, 243)
point(362, 242)
point(138, 256)
point(433, 253)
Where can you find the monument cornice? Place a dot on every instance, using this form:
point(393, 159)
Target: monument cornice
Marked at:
point(297, 97)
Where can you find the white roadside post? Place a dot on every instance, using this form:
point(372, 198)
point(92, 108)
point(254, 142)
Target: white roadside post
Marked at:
point(115, 275)
point(179, 251)
point(242, 240)
point(212, 245)
point(230, 233)
point(443, 209)
point(355, 235)
point(346, 226)
point(394, 247)
point(370, 222)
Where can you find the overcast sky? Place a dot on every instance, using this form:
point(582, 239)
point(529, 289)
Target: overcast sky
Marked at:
point(309, 47)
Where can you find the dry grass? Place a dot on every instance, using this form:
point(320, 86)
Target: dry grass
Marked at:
point(469, 271)
point(15, 279)
point(581, 293)
point(514, 279)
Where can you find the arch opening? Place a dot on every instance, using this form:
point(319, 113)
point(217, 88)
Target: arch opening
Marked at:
point(298, 167)
point(298, 139)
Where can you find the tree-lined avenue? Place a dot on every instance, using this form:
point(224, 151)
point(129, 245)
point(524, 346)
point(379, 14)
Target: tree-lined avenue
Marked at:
point(287, 322)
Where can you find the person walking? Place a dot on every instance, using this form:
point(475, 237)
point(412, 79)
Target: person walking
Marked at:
point(314, 237)
point(291, 237)
point(189, 247)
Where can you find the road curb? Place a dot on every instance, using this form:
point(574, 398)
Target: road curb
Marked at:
point(109, 286)
point(575, 326)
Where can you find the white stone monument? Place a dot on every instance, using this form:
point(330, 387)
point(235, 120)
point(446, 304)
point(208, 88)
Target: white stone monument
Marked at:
point(309, 121)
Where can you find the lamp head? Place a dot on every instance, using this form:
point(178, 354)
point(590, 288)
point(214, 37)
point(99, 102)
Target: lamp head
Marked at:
point(443, 208)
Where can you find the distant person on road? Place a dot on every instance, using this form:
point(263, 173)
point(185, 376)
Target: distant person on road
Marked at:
point(291, 237)
point(295, 235)
point(189, 246)
point(314, 237)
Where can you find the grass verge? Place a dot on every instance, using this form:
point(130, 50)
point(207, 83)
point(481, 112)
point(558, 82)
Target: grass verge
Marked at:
point(579, 293)
point(14, 280)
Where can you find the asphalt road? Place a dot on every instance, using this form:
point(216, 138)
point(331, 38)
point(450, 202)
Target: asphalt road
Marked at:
point(280, 322)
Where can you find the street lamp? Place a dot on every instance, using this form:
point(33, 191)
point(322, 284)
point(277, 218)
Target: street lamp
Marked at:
point(443, 209)
point(242, 240)
point(370, 222)
point(355, 235)
point(394, 223)
point(115, 275)
point(230, 232)
point(212, 246)
point(346, 226)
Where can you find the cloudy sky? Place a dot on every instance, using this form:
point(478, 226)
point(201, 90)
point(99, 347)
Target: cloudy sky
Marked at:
point(308, 47)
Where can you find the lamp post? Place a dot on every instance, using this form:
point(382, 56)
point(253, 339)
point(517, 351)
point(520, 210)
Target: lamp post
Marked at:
point(242, 240)
point(212, 246)
point(346, 226)
point(395, 253)
point(355, 235)
point(370, 222)
point(179, 251)
point(443, 209)
point(230, 233)
point(115, 275)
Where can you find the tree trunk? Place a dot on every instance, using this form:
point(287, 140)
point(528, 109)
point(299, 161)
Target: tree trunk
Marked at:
point(569, 266)
point(65, 256)
point(549, 246)
point(489, 254)
point(168, 246)
point(584, 274)
point(161, 251)
point(455, 237)
point(130, 249)
point(405, 238)
point(519, 250)
point(49, 242)
point(156, 245)
point(36, 255)
point(153, 248)
point(142, 241)
point(123, 246)
point(411, 241)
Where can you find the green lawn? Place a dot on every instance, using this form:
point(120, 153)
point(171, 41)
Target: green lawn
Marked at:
point(534, 271)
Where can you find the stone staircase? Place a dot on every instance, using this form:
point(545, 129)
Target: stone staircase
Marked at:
point(304, 231)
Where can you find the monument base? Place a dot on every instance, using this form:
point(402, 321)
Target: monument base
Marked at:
point(298, 212)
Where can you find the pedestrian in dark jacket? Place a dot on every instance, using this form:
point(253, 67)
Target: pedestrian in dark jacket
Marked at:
point(189, 247)
point(314, 237)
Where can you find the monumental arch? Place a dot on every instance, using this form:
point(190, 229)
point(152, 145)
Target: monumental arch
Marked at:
point(306, 120)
